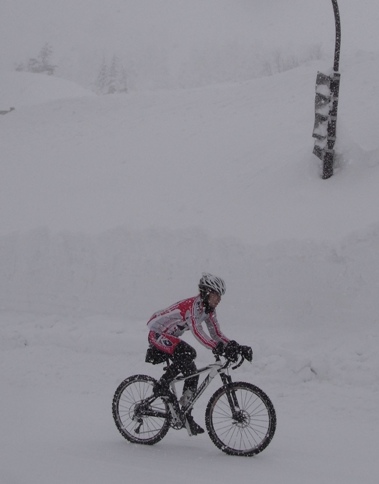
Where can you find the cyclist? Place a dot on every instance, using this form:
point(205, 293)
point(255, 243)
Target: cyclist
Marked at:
point(166, 327)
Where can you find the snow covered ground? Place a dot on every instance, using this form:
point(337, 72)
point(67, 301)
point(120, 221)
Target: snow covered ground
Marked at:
point(110, 209)
point(59, 374)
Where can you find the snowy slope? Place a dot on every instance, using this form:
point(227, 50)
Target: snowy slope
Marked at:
point(225, 168)
point(25, 89)
point(111, 207)
point(252, 155)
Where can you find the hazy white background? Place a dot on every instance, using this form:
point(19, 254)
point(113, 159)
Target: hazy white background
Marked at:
point(112, 206)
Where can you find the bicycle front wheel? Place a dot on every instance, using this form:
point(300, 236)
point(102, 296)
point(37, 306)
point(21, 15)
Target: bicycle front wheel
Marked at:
point(138, 421)
point(240, 419)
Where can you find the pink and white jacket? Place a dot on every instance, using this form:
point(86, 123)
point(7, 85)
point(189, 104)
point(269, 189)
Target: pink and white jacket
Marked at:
point(188, 315)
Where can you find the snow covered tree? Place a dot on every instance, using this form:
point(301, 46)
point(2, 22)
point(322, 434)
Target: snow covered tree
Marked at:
point(101, 81)
point(40, 64)
point(111, 79)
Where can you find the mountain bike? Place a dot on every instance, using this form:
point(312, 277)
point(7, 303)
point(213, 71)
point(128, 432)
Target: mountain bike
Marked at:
point(240, 418)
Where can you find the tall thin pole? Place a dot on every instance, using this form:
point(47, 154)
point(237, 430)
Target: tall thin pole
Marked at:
point(338, 35)
point(334, 88)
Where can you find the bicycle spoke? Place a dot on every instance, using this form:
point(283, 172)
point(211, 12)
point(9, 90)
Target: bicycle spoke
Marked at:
point(128, 411)
point(248, 427)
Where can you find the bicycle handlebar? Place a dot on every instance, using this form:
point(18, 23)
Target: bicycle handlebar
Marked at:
point(233, 351)
point(228, 361)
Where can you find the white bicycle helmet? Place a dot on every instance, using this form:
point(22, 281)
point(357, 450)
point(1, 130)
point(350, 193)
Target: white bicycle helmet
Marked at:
point(209, 282)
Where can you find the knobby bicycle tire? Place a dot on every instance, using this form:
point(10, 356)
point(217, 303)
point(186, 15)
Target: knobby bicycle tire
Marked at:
point(145, 429)
point(253, 426)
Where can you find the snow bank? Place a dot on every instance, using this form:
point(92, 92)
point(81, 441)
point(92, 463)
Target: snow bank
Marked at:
point(19, 89)
point(318, 297)
point(113, 271)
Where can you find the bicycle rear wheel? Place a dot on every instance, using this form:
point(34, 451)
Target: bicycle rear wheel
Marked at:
point(249, 427)
point(135, 419)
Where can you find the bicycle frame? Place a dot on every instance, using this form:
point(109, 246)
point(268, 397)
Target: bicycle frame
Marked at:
point(213, 369)
point(178, 414)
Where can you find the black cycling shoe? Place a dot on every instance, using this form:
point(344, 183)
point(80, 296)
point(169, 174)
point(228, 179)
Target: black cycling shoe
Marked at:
point(194, 427)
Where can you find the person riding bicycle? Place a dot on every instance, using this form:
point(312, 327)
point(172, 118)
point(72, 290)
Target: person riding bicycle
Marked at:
point(166, 327)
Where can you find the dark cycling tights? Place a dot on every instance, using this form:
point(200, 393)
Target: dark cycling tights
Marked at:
point(182, 361)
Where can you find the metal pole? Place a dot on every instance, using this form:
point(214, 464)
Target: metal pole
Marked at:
point(334, 88)
point(338, 35)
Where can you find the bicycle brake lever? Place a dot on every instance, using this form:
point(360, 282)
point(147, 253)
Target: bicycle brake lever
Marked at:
point(239, 363)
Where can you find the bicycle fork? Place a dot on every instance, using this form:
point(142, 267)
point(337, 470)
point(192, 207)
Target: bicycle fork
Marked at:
point(231, 396)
